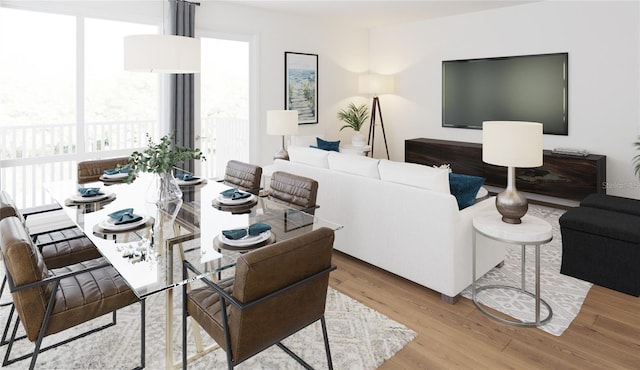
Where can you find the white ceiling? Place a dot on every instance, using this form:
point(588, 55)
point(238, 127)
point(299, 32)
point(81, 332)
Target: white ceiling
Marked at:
point(368, 13)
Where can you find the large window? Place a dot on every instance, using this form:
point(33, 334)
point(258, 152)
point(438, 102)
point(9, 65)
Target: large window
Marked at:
point(37, 81)
point(64, 97)
point(120, 107)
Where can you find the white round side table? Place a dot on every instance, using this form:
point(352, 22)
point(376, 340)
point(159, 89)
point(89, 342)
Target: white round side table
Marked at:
point(532, 231)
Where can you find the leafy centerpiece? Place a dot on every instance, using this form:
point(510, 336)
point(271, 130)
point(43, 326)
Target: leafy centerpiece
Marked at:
point(160, 159)
point(354, 117)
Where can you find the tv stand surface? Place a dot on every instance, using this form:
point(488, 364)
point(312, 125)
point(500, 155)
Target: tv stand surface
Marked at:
point(562, 180)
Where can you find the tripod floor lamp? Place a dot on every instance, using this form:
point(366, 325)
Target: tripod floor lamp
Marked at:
point(375, 84)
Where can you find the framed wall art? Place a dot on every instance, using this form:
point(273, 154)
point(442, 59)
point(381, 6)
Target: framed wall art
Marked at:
point(301, 85)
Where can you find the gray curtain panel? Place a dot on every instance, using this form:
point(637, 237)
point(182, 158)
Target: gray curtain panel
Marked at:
point(182, 108)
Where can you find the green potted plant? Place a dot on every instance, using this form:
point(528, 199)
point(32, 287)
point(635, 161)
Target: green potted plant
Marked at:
point(160, 159)
point(354, 117)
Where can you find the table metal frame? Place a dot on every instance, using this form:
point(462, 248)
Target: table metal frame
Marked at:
point(521, 289)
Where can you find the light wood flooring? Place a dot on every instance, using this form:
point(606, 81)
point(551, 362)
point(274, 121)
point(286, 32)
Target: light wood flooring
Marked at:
point(605, 335)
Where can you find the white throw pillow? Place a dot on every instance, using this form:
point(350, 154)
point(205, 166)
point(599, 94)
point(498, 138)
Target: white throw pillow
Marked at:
point(413, 174)
point(354, 164)
point(308, 156)
point(304, 140)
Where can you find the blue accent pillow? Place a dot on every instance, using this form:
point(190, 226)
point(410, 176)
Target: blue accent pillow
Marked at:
point(465, 188)
point(328, 145)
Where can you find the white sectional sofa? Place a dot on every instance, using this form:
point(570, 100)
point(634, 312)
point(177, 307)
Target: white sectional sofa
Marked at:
point(398, 216)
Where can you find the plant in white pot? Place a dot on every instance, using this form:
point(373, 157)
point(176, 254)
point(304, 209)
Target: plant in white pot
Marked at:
point(354, 117)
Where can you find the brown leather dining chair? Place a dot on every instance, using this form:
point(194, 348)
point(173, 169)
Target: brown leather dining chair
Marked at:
point(277, 290)
point(49, 301)
point(298, 192)
point(60, 246)
point(91, 170)
point(244, 176)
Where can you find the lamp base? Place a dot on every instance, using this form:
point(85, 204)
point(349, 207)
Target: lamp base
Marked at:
point(281, 154)
point(512, 206)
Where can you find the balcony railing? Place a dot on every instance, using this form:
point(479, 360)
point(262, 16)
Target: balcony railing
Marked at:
point(35, 154)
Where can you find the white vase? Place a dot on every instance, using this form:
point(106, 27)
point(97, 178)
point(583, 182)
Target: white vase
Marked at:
point(357, 139)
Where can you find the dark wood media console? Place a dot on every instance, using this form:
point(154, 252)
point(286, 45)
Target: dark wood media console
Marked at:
point(561, 176)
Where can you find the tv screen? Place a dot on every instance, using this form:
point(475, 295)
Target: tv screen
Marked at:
point(518, 88)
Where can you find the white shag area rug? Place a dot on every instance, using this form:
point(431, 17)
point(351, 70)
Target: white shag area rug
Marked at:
point(359, 337)
point(563, 293)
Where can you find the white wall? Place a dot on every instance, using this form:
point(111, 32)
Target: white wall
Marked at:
point(342, 54)
point(603, 42)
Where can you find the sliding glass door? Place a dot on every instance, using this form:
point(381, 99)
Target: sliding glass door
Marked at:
point(224, 128)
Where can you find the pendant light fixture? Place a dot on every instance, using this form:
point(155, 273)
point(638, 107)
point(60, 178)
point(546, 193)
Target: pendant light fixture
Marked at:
point(162, 53)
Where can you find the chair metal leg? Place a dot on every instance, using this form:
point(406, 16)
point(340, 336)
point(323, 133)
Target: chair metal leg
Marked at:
point(295, 357)
point(38, 343)
point(4, 341)
point(7, 325)
point(227, 335)
point(44, 326)
point(326, 348)
point(6, 360)
point(184, 322)
point(326, 343)
point(4, 284)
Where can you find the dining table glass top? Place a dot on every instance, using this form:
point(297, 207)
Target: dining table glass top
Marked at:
point(148, 251)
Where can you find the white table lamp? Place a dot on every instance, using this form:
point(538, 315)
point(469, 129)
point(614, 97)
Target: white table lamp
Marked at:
point(512, 144)
point(282, 122)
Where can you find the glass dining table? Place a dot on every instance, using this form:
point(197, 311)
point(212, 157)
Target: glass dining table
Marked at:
point(148, 248)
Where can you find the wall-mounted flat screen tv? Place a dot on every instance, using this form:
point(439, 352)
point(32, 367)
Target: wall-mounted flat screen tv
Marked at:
point(517, 88)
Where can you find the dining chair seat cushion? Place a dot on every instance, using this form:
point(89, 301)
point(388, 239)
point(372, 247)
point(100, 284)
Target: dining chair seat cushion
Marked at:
point(204, 306)
point(89, 295)
point(69, 251)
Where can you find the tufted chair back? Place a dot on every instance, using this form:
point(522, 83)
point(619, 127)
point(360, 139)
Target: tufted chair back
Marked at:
point(296, 191)
point(24, 263)
point(90, 171)
point(244, 176)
